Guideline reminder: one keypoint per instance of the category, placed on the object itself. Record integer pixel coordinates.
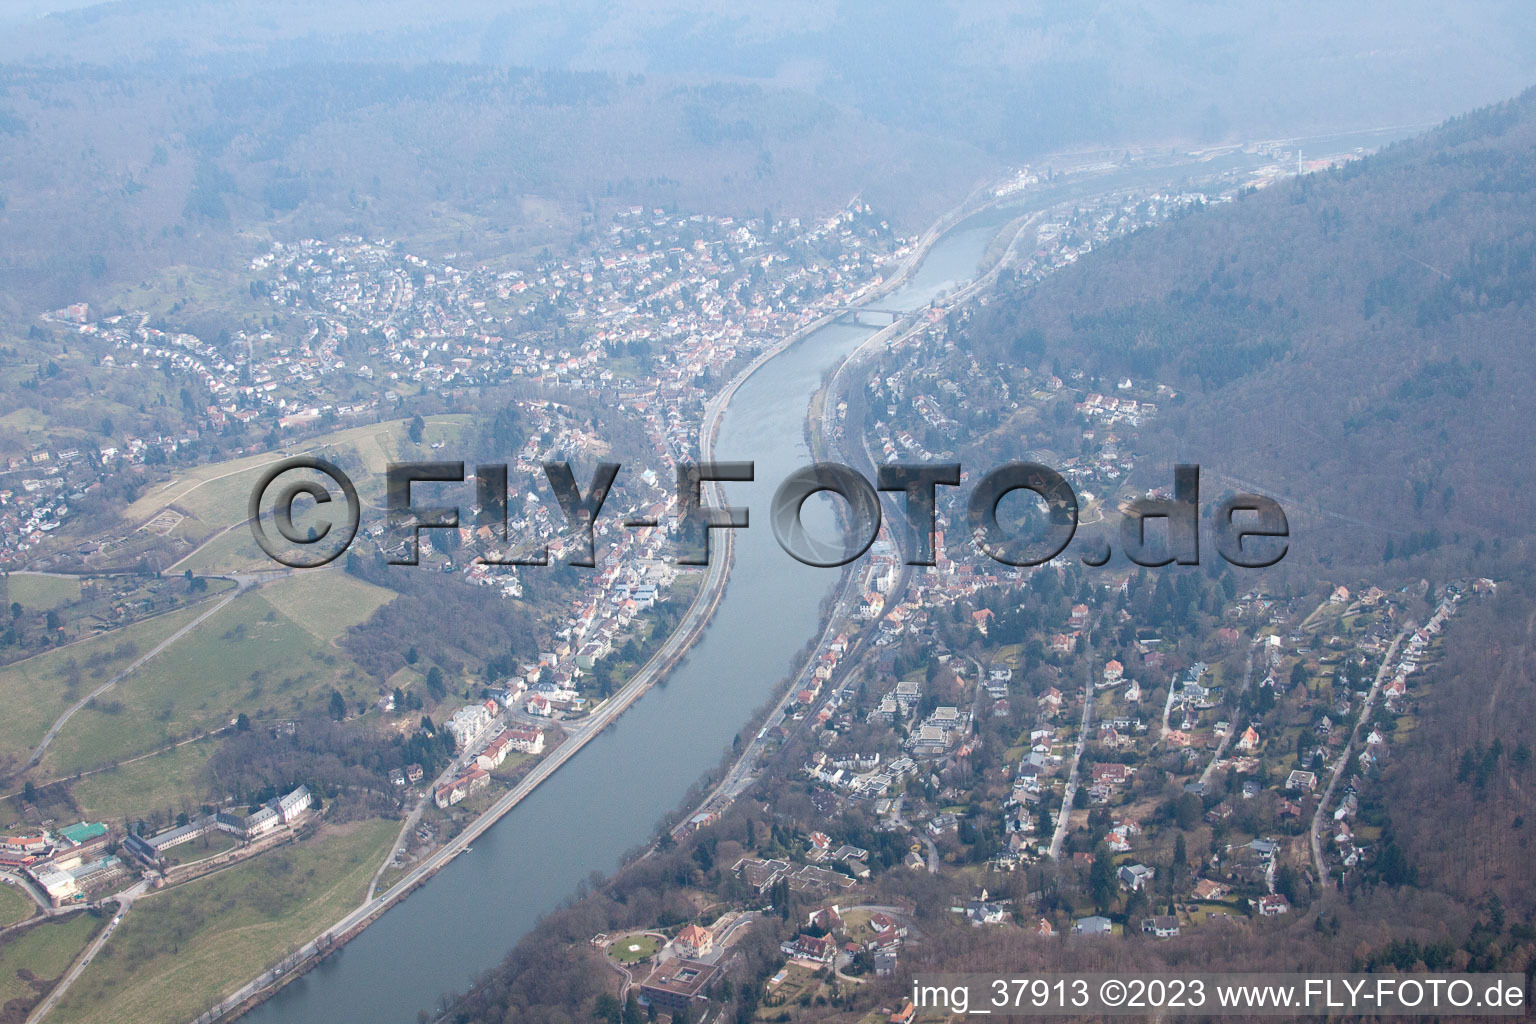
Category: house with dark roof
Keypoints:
(1135, 876)
(820, 948)
(1164, 926)
(760, 875)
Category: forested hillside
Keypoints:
(1462, 795)
(108, 174)
(1357, 343)
(1017, 79)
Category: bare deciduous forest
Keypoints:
(1356, 343)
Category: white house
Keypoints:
(468, 723)
(294, 804)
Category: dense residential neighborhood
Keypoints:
(658, 306)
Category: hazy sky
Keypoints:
(26, 10)
(1011, 77)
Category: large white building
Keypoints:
(272, 815)
(263, 821)
(468, 724)
(526, 740)
(59, 885)
(294, 804)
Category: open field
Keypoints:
(201, 848)
(234, 551)
(179, 951)
(40, 593)
(42, 952)
(25, 420)
(326, 607)
(856, 924)
(631, 949)
(248, 657)
(1205, 912)
(168, 781)
(404, 678)
(215, 496)
(513, 763)
(15, 906)
(36, 691)
(212, 496)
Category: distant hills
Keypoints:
(108, 174)
(139, 134)
(1357, 342)
(1016, 79)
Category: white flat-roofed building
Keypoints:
(60, 886)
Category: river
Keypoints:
(610, 797)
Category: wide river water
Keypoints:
(610, 797)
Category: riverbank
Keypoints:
(739, 773)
